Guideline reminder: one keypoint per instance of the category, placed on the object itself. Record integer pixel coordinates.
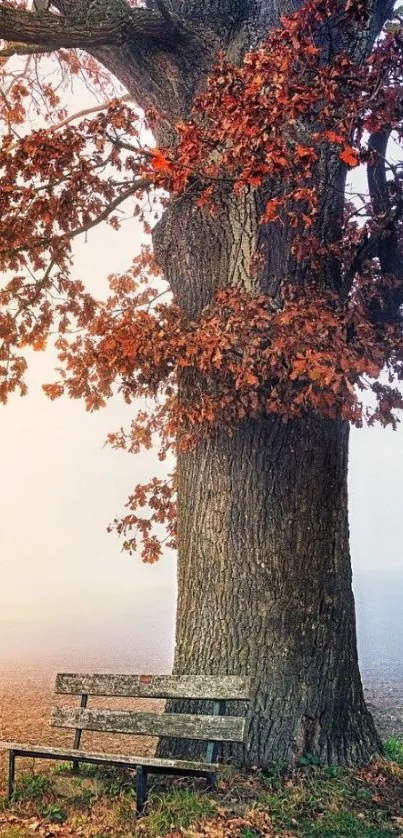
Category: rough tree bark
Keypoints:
(264, 572)
(265, 585)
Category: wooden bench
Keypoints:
(213, 729)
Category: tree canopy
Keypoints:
(265, 122)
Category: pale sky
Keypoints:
(60, 487)
(60, 572)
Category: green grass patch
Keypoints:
(110, 780)
(394, 750)
(33, 787)
(344, 825)
(338, 803)
(176, 810)
(312, 793)
(86, 769)
(54, 813)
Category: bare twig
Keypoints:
(137, 186)
(86, 111)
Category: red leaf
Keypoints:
(333, 137)
(349, 156)
(159, 162)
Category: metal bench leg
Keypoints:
(11, 774)
(212, 781)
(141, 788)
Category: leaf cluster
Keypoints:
(284, 129)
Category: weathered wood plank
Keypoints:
(118, 759)
(225, 687)
(179, 725)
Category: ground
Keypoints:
(308, 803)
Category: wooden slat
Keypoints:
(178, 725)
(225, 687)
(118, 759)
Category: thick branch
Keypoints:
(53, 31)
(383, 242)
(24, 49)
(382, 11)
(216, 14)
(387, 247)
(378, 187)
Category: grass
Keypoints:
(310, 802)
(394, 750)
(344, 825)
(177, 810)
(315, 792)
(54, 813)
(33, 787)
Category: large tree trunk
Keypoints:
(264, 582)
(264, 573)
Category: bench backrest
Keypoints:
(215, 728)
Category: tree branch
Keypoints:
(387, 246)
(383, 242)
(382, 11)
(86, 111)
(55, 32)
(23, 49)
(139, 185)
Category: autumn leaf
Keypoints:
(254, 180)
(39, 344)
(333, 137)
(53, 391)
(349, 156)
(272, 209)
(159, 162)
(302, 151)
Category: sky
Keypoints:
(61, 573)
(62, 576)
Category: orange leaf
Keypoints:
(304, 151)
(349, 156)
(159, 162)
(39, 344)
(254, 180)
(333, 137)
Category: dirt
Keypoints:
(385, 700)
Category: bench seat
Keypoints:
(153, 764)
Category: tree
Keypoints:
(286, 302)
